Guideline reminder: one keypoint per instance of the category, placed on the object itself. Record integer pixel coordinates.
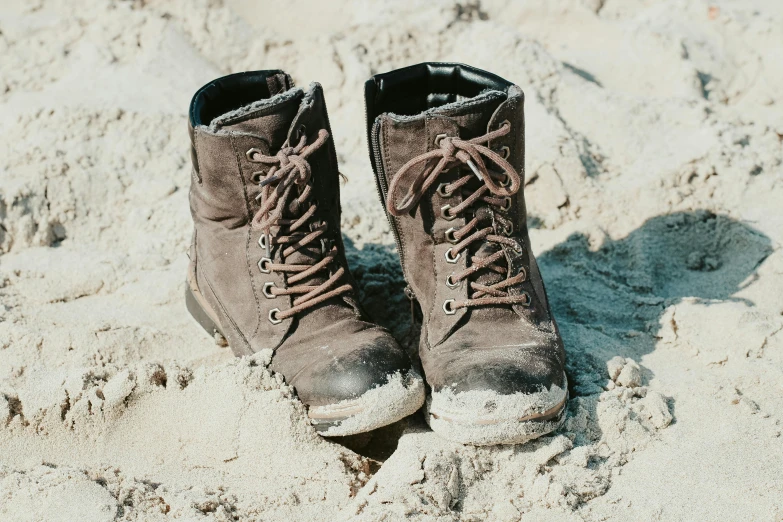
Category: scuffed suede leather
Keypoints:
(504, 348)
(329, 352)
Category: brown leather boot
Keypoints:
(268, 269)
(447, 147)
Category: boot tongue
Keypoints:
(268, 118)
(287, 123)
(472, 117)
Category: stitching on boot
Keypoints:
(247, 243)
(470, 103)
(255, 109)
(196, 171)
(434, 260)
(225, 313)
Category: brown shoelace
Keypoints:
(287, 204)
(496, 189)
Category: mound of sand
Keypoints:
(654, 182)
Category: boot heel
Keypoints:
(203, 317)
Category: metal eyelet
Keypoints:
(505, 182)
(505, 151)
(528, 300)
(450, 259)
(506, 204)
(255, 177)
(444, 212)
(452, 284)
(447, 307)
(273, 316)
(263, 265)
(250, 153)
(517, 248)
(450, 237)
(262, 242)
(301, 131)
(504, 122)
(442, 190)
(266, 290)
(523, 273)
(440, 137)
(507, 230)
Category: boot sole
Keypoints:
(401, 396)
(455, 421)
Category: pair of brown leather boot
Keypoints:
(268, 268)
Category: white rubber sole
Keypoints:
(401, 396)
(484, 418)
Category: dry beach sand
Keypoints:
(655, 187)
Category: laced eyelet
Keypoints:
(263, 265)
(450, 237)
(273, 316)
(439, 138)
(447, 307)
(527, 299)
(505, 152)
(507, 230)
(255, 177)
(452, 284)
(267, 290)
(251, 153)
(517, 248)
(523, 273)
(262, 241)
(442, 192)
(445, 214)
(503, 123)
(505, 182)
(506, 204)
(449, 259)
(301, 131)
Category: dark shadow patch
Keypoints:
(616, 295)
(377, 445)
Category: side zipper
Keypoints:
(382, 188)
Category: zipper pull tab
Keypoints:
(412, 298)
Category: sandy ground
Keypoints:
(655, 186)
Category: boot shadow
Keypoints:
(608, 300)
(378, 275)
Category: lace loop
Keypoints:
(450, 153)
(287, 204)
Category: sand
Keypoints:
(654, 183)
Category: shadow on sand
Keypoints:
(608, 299)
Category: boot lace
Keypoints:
(288, 206)
(495, 189)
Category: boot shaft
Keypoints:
(409, 112)
(259, 110)
(233, 121)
